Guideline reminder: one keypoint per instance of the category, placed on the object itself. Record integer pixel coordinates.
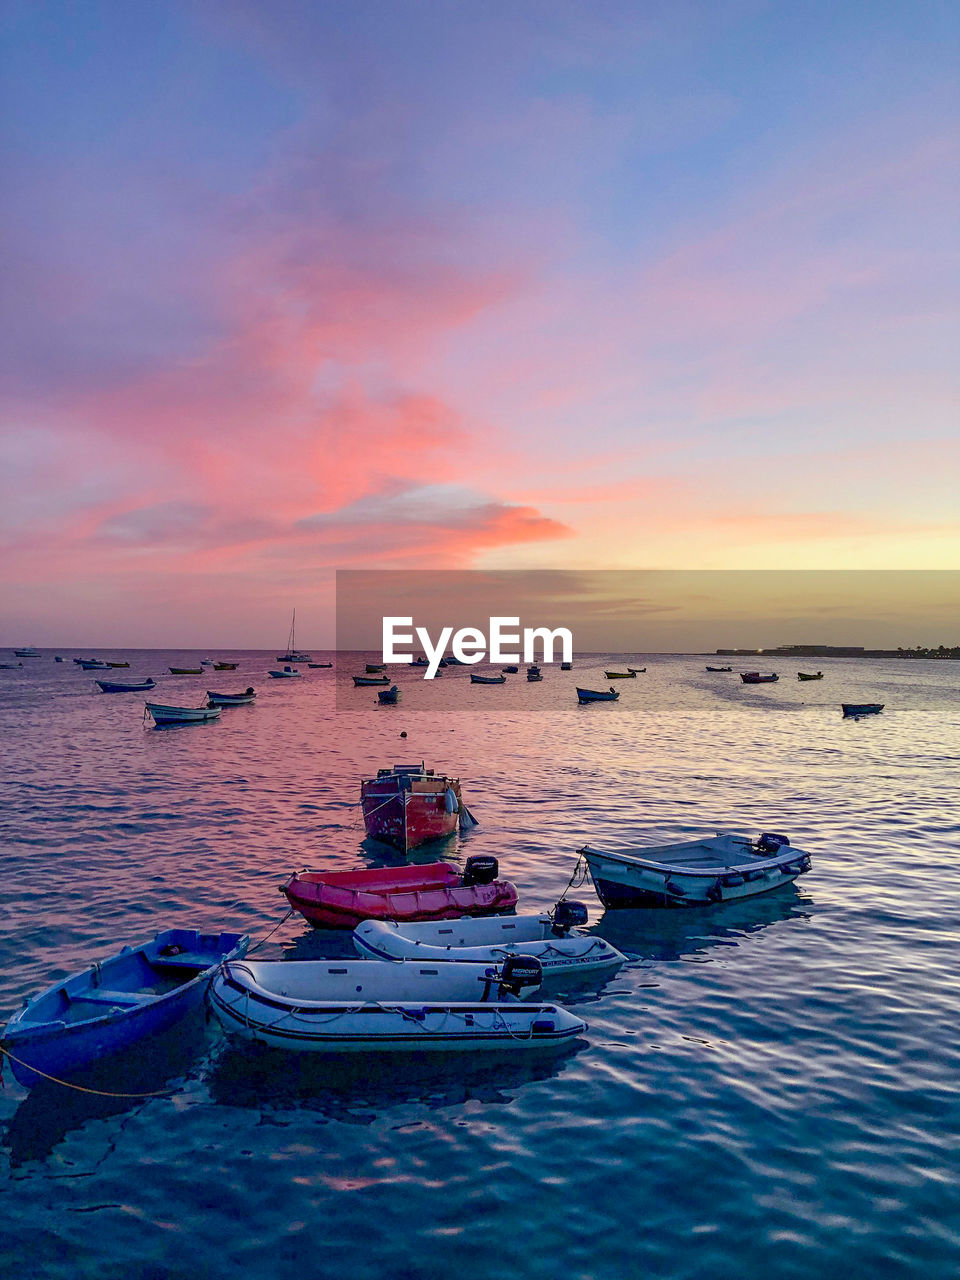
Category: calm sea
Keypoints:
(768, 1088)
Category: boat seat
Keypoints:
(100, 995)
(183, 961)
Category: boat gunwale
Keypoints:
(680, 868)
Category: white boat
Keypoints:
(181, 715)
(376, 1006)
(695, 872)
(28, 651)
(288, 673)
(560, 948)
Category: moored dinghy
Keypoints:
(557, 943)
(388, 697)
(597, 695)
(754, 677)
(372, 1006)
(437, 891)
(185, 671)
(856, 709)
(805, 675)
(365, 682)
(115, 1003)
(475, 679)
(694, 872)
(718, 669)
(231, 699)
(127, 686)
(287, 673)
(620, 675)
(181, 715)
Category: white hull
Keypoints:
(694, 873)
(486, 940)
(181, 715)
(274, 1003)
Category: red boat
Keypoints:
(754, 677)
(409, 804)
(438, 891)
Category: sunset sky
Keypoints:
(292, 287)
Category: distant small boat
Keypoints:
(231, 699)
(510, 671)
(288, 673)
(388, 696)
(181, 715)
(127, 686)
(719, 668)
(376, 668)
(862, 708)
(435, 891)
(597, 695)
(620, 675)
(292, 654)
(566, 666)
(694, 873)
(186, 671)
(58, 659)
(206, 662)
(754, 677)
(534, 673)
(367, 682)
(29, 651)
(637, 671)
(225, 666)
(420, 662)
(455, 662)
(317, 665)
(117, 665)
(10, 666)
(78, 661)
(116, 1003)
(803, 675)
(94, 664)
(475, 679)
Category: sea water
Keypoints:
(767, 1088)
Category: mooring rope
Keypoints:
(100, 1093)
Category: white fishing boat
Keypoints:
(181, 715)
(695, 872)
(375, 1006)
(287, 673)
(28, 651)
(557, 943)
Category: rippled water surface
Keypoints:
(768, 1087)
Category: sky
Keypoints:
(294, 287)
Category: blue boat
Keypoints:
(388, 696)
(597, 695)
(115, 1003)
(857, 709)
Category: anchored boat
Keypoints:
(717, 669)
(620, 675)
(292, 655)
(388, 697)
(185, 671)
(597, 695)
(181, 715)
(231, 699)
(127, 686)
(553, 938)
(225, 666)
(695, 872)
(409, 804)
(754, 677)
(862, 708)
(438, 891)
(93, 664)
(319, 1006)
(475, 679)
(805, 675)
(364, 682)
(287, 673)
(115, 1003)
(534, 673)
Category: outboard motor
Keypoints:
(770, 842)
(518, 972)
(567, 916)
(482, 868)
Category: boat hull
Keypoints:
(230, 699)
(855, 709)
(61, 1048)
(486, 941)
(341, 900)
(630, 881)
(118, 686)
(181, 715)
(253, 1007)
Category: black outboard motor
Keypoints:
(518, 972)
(482, 868)
(567, 916)
(770, 842)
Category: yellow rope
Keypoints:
(101, 1093)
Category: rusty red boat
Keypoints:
(410, 804)
(436, 891)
